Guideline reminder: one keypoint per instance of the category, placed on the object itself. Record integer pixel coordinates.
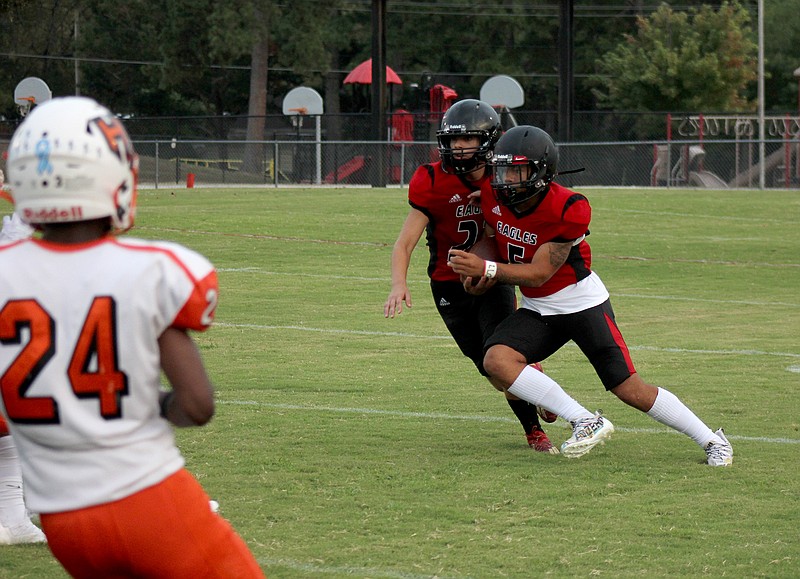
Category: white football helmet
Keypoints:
(72, 160)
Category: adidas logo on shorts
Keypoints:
(444, 302)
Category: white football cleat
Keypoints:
(21, 534)
(719, 453)
(586, 434)
(14, 229)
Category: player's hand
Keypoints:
(465, 263)
(475, 198)
(477, 285)
(394, 303)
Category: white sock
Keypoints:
(12, 504)
(670, 411)
(541, 390)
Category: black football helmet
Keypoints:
(468, 117)
(524, 163)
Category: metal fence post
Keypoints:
(275, 168)
(156, 164)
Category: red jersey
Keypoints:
(562, 216)
(454, 222)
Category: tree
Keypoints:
(42, 33)
(267, 35)
(700, 60)
(782, 49)
(123, 78)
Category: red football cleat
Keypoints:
(539, 442)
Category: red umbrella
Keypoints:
(362, 74)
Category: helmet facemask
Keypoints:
(516, 178)
(524, 164)
(468, 118)
(460, 161)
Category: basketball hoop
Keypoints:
(302, 101)
(29, 92)
(25, 104)
(297, 115)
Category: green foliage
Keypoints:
(134, 86)
(175, 57)
(700, 60)
(235, 26)
(33, 28)
(348, 445)
(783, 55)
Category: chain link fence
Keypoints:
(707, 164)
(687, 151)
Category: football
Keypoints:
(486, 249)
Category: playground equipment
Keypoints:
(688, 170)
(780, 159)
(782, 165)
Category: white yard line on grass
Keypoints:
(354, 571)
(441, 337)
(759, 220)
(470, 418)
(427, 282)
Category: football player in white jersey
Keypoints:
(88, 322)
(13, 227)
(16, 526)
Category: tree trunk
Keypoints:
(255, 156)
(333, 83)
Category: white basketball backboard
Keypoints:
(503, 91)
(31, 91)
(302, 101)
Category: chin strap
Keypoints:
(571, 171)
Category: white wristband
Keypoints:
(489, 269)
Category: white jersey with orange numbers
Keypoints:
(80, 366)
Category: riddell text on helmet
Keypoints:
(54, 214)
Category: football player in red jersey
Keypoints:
(540, 229)
(443, 198)
(89, 321)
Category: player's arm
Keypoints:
(545, 263)
(407, 240)
(191, 400)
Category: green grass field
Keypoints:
(348, 445)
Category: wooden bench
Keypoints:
(230, 164)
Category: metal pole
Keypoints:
(403, 165)
(378, 90)
(566, 99)
(156, 164)
(796, 73)
(76, 62)
(318, 137)
(275, 167)
(761, 128)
